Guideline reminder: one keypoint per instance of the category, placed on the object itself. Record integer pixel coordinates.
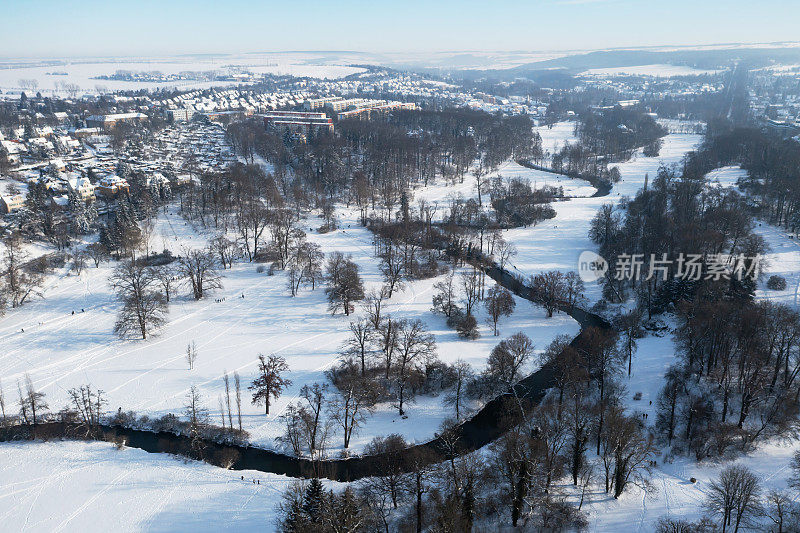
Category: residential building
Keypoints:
(108, 122)
(112, 185)
(11, 203)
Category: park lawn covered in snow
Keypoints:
(439, 194)
(61, 350)
(555, 136)
(677, 497)
(93, 486)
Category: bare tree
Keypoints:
(225, 249)
(628, 325)
(315, 429)
(191, 354)
(415, 346)
(389, 453)
(630, 448)
(238, 387)
(373, 305)
(574, 288)
(499, 302)
(88, 404)
(387, 336)
(355, 399)
(31, 403)
(393, 269)
(198, 417)
(463, 374)
(358, 344)
(169, 277)
(344, 283)
(227, 383)
(444, 299)
(200, 268)
(98, 252)
(508, 358)
(72, 90)
(470, 282)
(252, 219)
(21, 281)
(734, 497)
(143, 308)
(269, 384)
(504, 251)
(549, 289)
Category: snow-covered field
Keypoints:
(82, 72)
(555, 136)
(79, 486)
(61, 350)
(677, 497)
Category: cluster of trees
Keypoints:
(384, 359)
(517, 482)
(516, 204)
(735, 381)
(618, 132)
(457, 299)
(415, 495)
(772, 164)
(145, 289)
(371, 163)
(668, 219)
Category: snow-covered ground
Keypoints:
(83, 72)
(440, 193)
(61, 350)
(726, 176)
(677, 497)
(555, 136)
(79, 486)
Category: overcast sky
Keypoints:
(58, 28)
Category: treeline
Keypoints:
(371, 163)
(736, 379)
(618, 132)
(773, 166)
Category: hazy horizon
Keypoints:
(94, 29)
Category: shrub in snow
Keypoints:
(637, 396)
(467, 327)
(776, 283)
(261, 269)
